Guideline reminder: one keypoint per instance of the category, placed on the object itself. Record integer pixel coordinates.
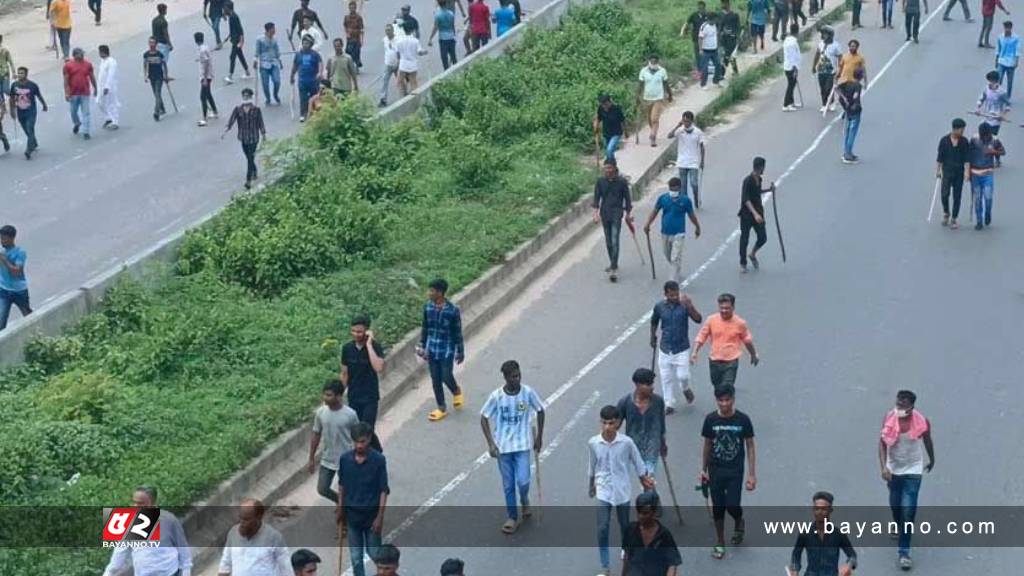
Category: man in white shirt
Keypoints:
(409, 50)
(106, 91)
(613, 459)
(689, 154)
(254, 548)
(172, 556)
(652, 93)
(307, 29)
(708, 38)
(790, 65)
(826, 64)
(390, 64)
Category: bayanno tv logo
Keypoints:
(131, 528)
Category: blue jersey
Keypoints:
(673, 213)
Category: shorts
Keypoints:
(652, 109)
(757, 30)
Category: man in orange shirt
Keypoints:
(60, 18)
(727, 332)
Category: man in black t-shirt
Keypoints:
(729, 31)
(728, 438)
(362, 361)
(154, 67)
(304, 12)
(609, 119)
(236, 34)
(650, 549)
(752, 214)
(693, 24)
(952, 167)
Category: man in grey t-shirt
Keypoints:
(333, 424)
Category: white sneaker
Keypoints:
(212, 116)
(246, 76)
(201, 123)
(832, 108)
(789, 108)
(229, 80)
(822, 109)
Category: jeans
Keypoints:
(165, 50)
(96, 7)
(855, 20)
(64, 35)
(708, 57)
(215, 24)
(690, 178)
(480, 40)
(361, 541)
(27, 120)
(723, 372)
(306, 91)
(788, 100)
(355, 49)
(80, 112)
(447, 48)
(8, 299)
(780, 22)
(954, 183)
(1006, 74)
(798, 13)
(825, 84)
(249, 149)
(236, 54)
(984, 39)
(912, 23)
(982, 188)
(673, 249)
(271, 77)
(385, 83)
(612, 230)
(887, 6)
(515, 473)
(903, 491)
(604, 518)
(611, 145)
(963, 4)
(852, 125)
(157, 84)
(323, 484)
(206, 97)
(762, 237)
(441, 375)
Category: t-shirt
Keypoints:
(444, 19)
(988, 7)
(993, 101)
(851, 62)
(335, 430)
(60, 14)
(828, 63)
(688, 147)
(708, 35)
(154, 62)
(728, 446)
(78, 74)
(653, 559)
(979, 159)
(752, 194)
(362, 485)
(673, 213)
(728, 337)
(205, 63)
(953, 157)
(343, 70)
(308, 64)
(480, 18)
(912, 6)
(759, 11)
(729, 25)
(301, 14)
(16, 256)
(408, 49)
(611, 120)
(510, 418)
(363, 381)
(235, 30)
(694, 22)
(646, 429)
(505, 17)
(654, 83)
(160, 31)
(790, 53)
(25, 94)
(849, 98)
(390, 52)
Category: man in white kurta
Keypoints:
(107, 93)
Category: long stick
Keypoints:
(632, 232)
(778, 228)
(597, 148)
(167, 84)
(672, 490)
(341, 549)
(540, 490)
(700, 186)
(639, 124)
(291, 102)
(650, 252)
(801, 93)
(935, 194)
(828, 101)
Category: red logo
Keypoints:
(132, 525)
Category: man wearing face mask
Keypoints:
(675, 207)
(689, 154)
(906, 436)
(652, 93)
(254, 547)
(250, 129)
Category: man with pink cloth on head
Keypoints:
(906, 436)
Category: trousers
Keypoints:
(746, 224)
(612, 231)
(675, 373)
(110, 106)
(952, 183)
(80, 112)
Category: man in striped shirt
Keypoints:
(250, 129)
(441, 345)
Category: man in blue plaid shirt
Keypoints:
(441, 346)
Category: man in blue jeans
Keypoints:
(444, 29)
(442, 346)
(13, 284)
(508, 408)
(309, 67)
(1007, 57)
(610, 121)
(849, 99)
(906, 436)
(985, 149)
(611, 202)
(362, 497)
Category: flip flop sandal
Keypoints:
(718, 552)
(737, 537)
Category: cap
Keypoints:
(303, 557)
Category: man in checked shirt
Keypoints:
(441, 345)
(250, 129)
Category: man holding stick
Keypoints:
(508, 408)
(952, 169)
(611, 202)
(643, 412)
(675, 207)
(751, 214)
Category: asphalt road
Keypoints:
(81, 207)
(873, 299)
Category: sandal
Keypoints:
(437, 415)
(737, 538)
(718, 552)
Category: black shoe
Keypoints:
(108, 123)
(74, 130)
(946, 18)
(156, 117)
(86, 136)
(915, 40)
(7, 145)
(978, 226)
(988, 221)
(28, 154)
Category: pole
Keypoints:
(291, 102)
(167, 83)
(639, 124)
(540, 491)
(341, 549)
(654, 356)
(800, 93)
(597, 148)
(778, 228)
(672, 490)
(650, 252)
(632, 232)
(700, 186)
(935, 195)
(828, 101)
